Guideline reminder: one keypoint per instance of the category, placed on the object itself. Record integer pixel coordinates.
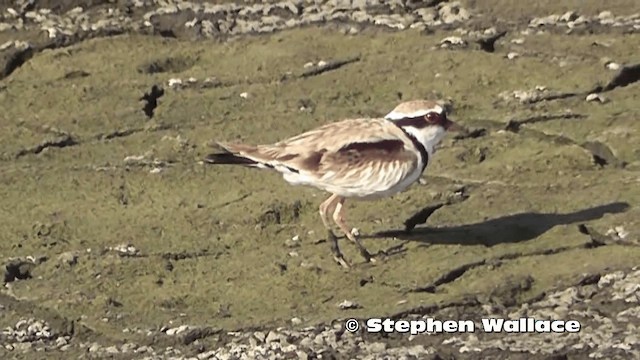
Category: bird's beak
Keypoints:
(452, 126)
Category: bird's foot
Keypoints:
(335, 250)
(341, 261)
(365, 254)
(354, 237)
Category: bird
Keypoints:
(364, 158)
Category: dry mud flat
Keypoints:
(118, 243)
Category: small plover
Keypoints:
(360, 158)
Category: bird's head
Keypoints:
(426, 120)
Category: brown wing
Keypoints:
(367, 166)
(345, 154)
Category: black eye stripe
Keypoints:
(416, 122)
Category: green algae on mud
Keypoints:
(206, 258)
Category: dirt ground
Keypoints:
(113, 230)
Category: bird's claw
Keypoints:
(341, 261)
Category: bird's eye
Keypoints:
(433, 117)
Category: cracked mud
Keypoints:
(118, 243)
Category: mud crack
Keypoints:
(488, 43)
(151, 100)
(64, 141)
(515, 124)
(329, 66)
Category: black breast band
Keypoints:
(423, 152)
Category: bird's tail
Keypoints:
(229, 156)
(228, 159)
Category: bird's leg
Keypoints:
(338, 217)
(325, 208)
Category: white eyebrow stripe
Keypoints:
(397, 115)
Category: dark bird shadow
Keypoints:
(506, 229)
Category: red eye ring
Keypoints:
(433, 117)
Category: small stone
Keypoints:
(452, 41)
(322, 63)
(604, 15)
(596, 97)
(68, 258)
(13, 12)
(622, 233)
(6, 45)
(309, 65)
(518, 41)
(111, 350)
(612, 66)
(211, 82)
(512, 55)
(543, 21)
(569, 16)
(296, 321)
(260, 336)
(175, 83)
(306, 342)
(272, 337)
(61, 341)
(293, 242)
(347, 304)
(94, 348)
(211, 354)
(144, 349)
(26, 346)
(244, 95)
(177, 330)
(129, 347)
(376, 347)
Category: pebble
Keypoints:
(6, 45)
(61, 341)
(177, 330)
(111, 350)
(126, 249)
(68, 258)
(175, 83)
(596, 98)
(613, 66)
(452, 41)
(619, 232)
(347, 304)
(293, 242)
